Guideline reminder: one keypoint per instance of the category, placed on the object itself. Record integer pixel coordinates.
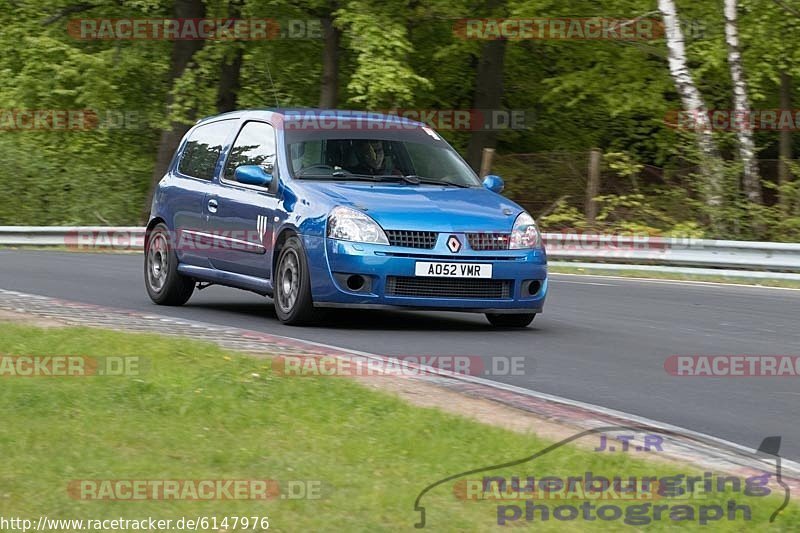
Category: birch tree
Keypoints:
(741, 106)
(692, 101)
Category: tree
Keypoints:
(230, 71)
(741, 106)
(693, 102)
(488, 96)
(378, 38)
(785, 140)
(329, 84)
(183, 51)
(774, 64)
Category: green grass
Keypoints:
(633, 273)
(202, 413)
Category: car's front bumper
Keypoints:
(331, 262)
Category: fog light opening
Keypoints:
(534, 287)
(355, 282)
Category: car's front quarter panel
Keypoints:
(330, 261)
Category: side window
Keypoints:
(255, 145)
(203, 148)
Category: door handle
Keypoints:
(213, 205)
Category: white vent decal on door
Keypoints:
(261, 224)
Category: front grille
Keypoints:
(474, 257)
(488, 241)
(412, 239)
(484, 289)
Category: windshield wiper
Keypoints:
(413, 179)
(339, 174)
(351, 176)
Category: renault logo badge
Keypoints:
(453, 244)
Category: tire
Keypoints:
(292, 293)
(510, 321)
(164, 284)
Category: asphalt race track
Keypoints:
(600, 340)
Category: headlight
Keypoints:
(347, 224)
(525, 233)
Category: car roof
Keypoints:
(305, 113)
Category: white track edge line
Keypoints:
(673, 281)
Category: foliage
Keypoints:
(624, 214)
(613, 95)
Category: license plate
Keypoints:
(453, 270)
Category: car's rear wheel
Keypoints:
(293, 303)
(164, 284)
(510, 321)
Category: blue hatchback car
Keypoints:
(321, 209)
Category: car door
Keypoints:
(192, 178)
(242, 216)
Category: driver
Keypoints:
(371, 158)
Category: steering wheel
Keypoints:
(320, 166)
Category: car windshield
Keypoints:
(415, 157)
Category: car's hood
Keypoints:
(424, 207)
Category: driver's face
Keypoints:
(372, 154)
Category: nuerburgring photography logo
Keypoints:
(538, 494)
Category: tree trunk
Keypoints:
(229, 83)
(182, 53)
(329, 88)
(228, 89)
(693, 103)
(741, 107)
(593, 185)
(488, 96)
(785, 141)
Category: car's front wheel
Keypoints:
(164, 284)
(510, 321)
(293, 303)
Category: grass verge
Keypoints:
(633, 273)
(197, 412)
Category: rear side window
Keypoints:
(255, 145)
(203, 148)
